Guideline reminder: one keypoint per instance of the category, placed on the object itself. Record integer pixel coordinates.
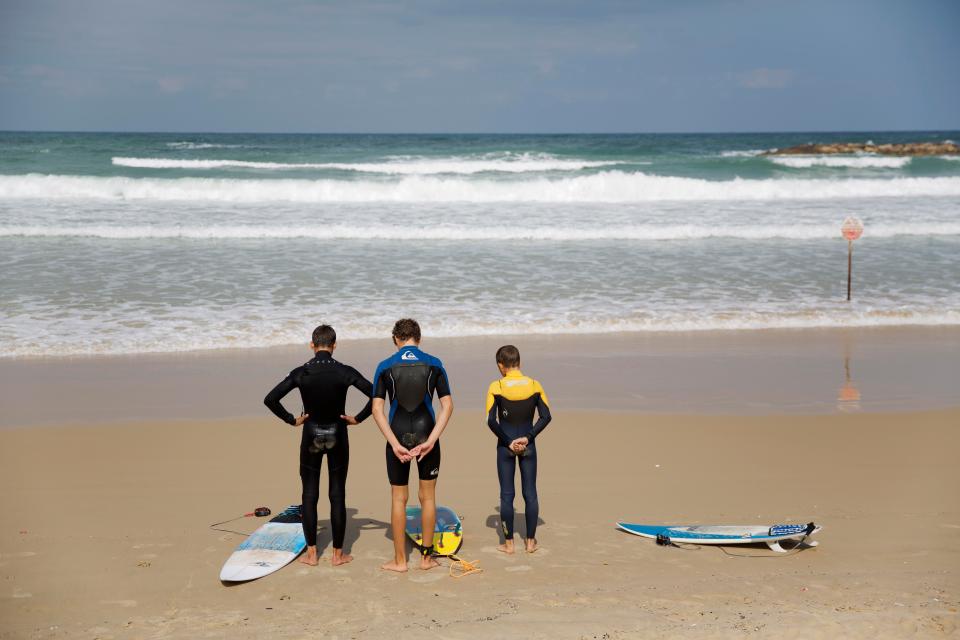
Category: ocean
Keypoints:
(127, 243)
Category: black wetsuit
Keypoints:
(411, 377)
(511, 404)
(323, 384)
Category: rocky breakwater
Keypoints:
(900, 149)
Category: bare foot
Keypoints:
(310, 557)
(339, 558)
(506, 547)
(532, 545)
(399, 567)
(428, 562)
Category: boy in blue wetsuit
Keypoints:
(511, 403)
(410, 377)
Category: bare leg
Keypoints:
(398, 521)
(339, 558)
(428, 512)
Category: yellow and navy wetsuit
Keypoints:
(511, 404)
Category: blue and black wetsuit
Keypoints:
(411, 377)
(511, 404)
(323, 384)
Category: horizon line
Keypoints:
(478, 133)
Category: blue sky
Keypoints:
(482, 66)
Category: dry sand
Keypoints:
(105, 532)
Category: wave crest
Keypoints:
(855, 162)
(463, 233)
(519, 164)
(610, 186)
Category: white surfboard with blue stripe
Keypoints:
(772, 536)
(269, 548)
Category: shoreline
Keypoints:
(750, 373)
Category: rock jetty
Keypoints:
(901, 149)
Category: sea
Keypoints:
(125, 243)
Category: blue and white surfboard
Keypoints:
(725, 534)
(271, 547)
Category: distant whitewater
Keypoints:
(128, 243)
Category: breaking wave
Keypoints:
(520, 164)
(467, 233)
(608, 186)
(853, 162)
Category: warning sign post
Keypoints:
(852, 229)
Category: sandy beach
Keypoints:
(106, 523)
(724, 236)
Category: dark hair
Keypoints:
(405, 329)
(509, 356)
(324, 336)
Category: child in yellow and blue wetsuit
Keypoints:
(512, 402)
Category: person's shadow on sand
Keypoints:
(519, 524)
(352, 534)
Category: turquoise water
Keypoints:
(120, 243)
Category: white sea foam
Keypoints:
(192, 329)
(853, 162)
(518, 164)
(610, 186)
(202, 145)
(742, 153)
(476, 233)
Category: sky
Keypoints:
(479, 66)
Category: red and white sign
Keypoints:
(852, 228)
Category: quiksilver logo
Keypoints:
(408, 355)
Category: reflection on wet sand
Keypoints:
(849, 397)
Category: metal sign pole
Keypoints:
(852, 229)
(849, 267)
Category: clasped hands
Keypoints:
(519, 445)
(419, 452)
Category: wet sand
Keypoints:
(105, 531)
(731, 372)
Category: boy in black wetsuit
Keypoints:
(411, 377)
(323, 384)
(511, 403)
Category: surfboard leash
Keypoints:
(460, 567)
(259, 512)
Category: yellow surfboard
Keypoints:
(448, 532)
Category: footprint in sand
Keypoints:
(376, 609)
(520, 567)
(427, 576)
(20, 593)
(18, 554)
(145, 545)
(120, 603)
